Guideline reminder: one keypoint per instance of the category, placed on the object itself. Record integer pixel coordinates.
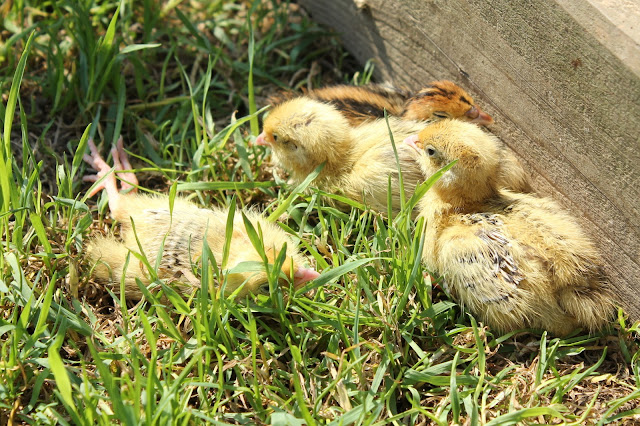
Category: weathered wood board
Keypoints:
(560, 78)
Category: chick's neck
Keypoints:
(339, 160)
(471, 198)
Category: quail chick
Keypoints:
(304, 133)
(363, 103)
(444, 99)
(181, 233)
(357, 103)
(439, 99)
(516, 260)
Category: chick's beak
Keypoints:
(262, 139)
(478, 116)
(414, 142)
(303, 275)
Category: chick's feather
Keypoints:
(174, 237)
(516, 260)
(358, 161)
(149, 227)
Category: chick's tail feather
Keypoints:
(592, 308)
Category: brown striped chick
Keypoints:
(363, 103)
(515, 260)
(444, 99)
(304, 133)
(357, 103)
(438, 100)
(182, 235)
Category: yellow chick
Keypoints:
(304, 133)
(182, 234)
(515, 260)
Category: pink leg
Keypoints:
(109, 183)
(128, 180)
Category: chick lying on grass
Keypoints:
(304, 133)
(516, 260)
(180, 235)
(437, 100)
(444, 99)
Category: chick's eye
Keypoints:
(275, 138)
(431, 151)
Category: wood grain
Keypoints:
(560, 79)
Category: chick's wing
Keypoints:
(478, 262)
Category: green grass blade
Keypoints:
(300, 397)
(138, 47)
(13, 96)
(294, 194)
(422, 188)
(453, 389)
(250, 89)
(335, 272)
(36, 222)
(228, 233)
(520, 415)
(222, 186)
(62, 376)
(9, 192)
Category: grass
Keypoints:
(372, 341)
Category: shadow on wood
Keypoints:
(561, 80)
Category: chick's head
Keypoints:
(478, 155)
(303, 133)
(445, 99)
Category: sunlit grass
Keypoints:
(372, 341)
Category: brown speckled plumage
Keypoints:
(516, 260)
(437, 100)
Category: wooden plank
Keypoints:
(561, 80)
